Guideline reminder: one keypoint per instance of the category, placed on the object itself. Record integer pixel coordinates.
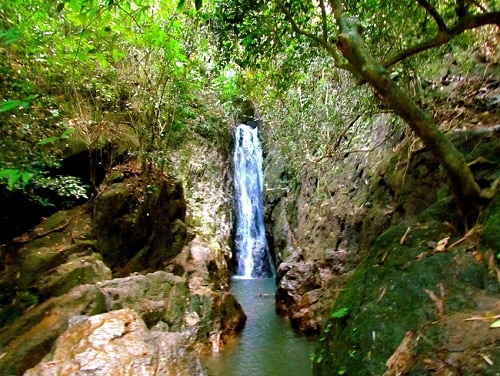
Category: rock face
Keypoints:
(334, 210)
(63, 270)
(118, 343)
(328, 217)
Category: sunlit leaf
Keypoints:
(67, 133)
(340, 313)
(14, 178)
(117, 55)
(496, 324)
(9, 105)
(102, 60)
(47, 140)
(25, 177)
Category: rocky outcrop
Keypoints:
(63, 269)
(118, 343)
(160, 299)
(151, 212)
(327, 216)
(336, 209)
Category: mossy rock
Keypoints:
(389, 295)
(491, 233)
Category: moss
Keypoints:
(491, 235)
(387, 297)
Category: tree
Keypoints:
(330, 25)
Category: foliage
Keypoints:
(99, 67)
(369, 39)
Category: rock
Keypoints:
(118, 343)
(151, 213)
(54, 276)
(158, 296)
(78, 270)
(160, 300)
(395, 290)
(27, 341)
(296, 281)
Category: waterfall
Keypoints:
(251, 250)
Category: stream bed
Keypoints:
(267, 346)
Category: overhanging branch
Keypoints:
(443, 37)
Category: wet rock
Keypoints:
(118, 343)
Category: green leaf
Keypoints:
(67, 133)
(47, 140)
(60, 7)
(25, 177)
(15, 103)
(496, 324)
(10, 36)
(102, 60)
(180, 5)
(6, 172)
(13, 178)
(340, 313)
(117, 55)
(198, 4)
(10, 104)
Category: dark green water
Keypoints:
(267, 346)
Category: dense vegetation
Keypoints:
(170, 69)
(86, 76)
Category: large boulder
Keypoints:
(139, 222)
(118, 343)
(30, 337)
(203, 317)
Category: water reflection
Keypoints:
(267, 345)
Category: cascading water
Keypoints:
(251, 249)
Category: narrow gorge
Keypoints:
(240, 188)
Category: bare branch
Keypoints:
(443, 37)
(434, 14)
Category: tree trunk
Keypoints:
(465, 188)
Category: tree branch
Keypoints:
(434, 14)
(443, 37)
(323, 20)
(321, 41)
